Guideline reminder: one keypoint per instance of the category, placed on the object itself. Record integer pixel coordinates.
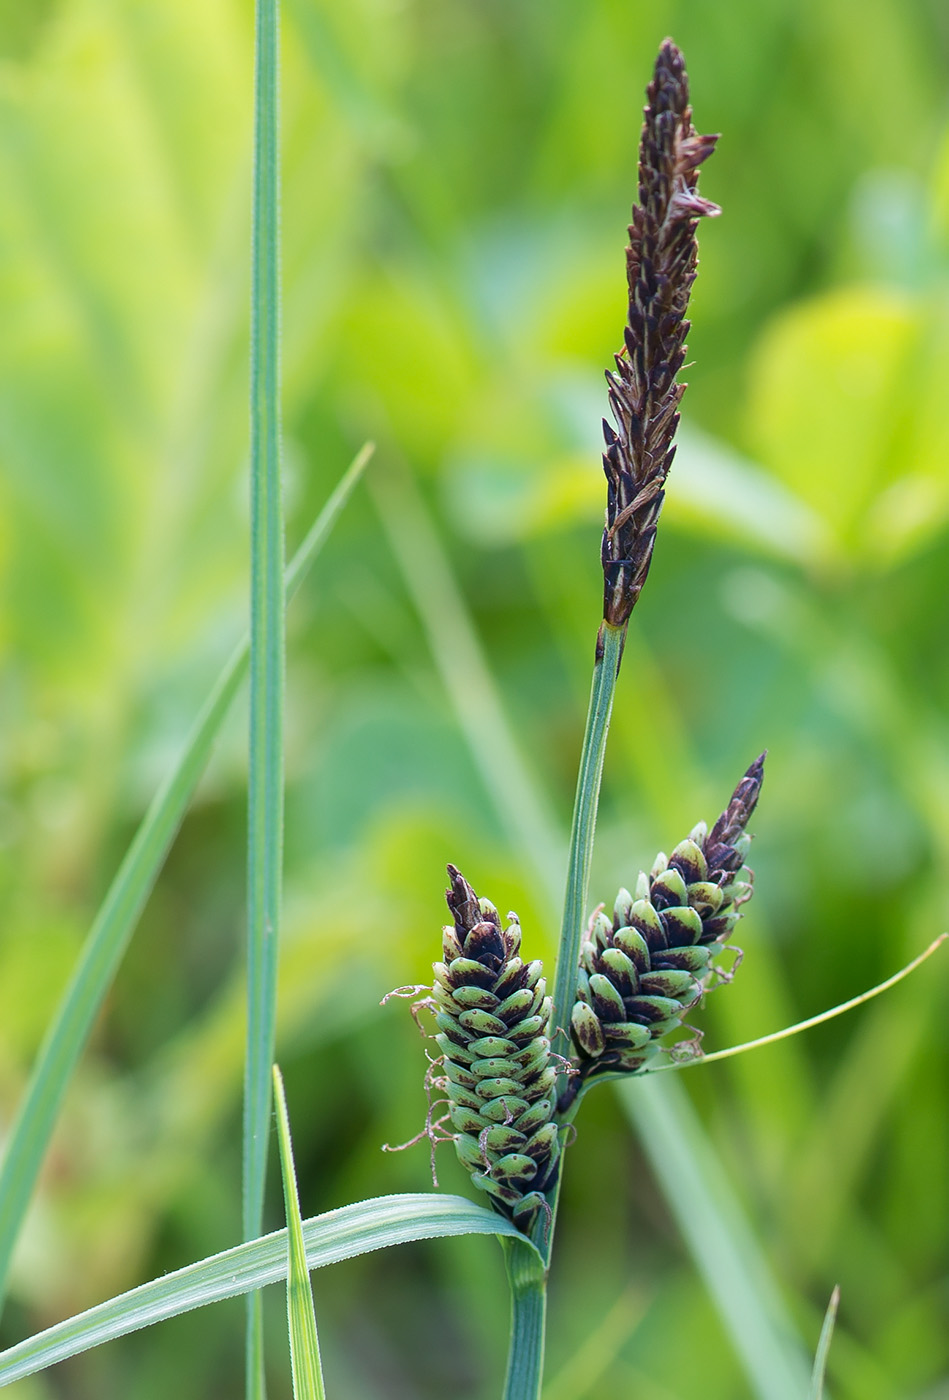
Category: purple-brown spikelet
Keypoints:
(644, 394)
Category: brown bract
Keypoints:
(644, 395)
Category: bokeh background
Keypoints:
(457, 184)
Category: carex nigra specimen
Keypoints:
(643, 968)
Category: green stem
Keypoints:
(528, 1280)
(609, 652)
(265, 781)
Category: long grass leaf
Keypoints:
(119, 913)
(719, 1238)
(301, 1315)
(816, 1391)
(265, 768)
(521, 806)
(356, 1229)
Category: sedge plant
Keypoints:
(514, 1063)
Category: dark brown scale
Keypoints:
(485, 942)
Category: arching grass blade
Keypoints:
(721, 1241)
(357, 1229)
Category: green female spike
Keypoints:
(640, 976)
(493, 1017)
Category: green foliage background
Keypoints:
(457, 183)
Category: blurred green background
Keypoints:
(457, 185)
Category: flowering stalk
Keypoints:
(644, 396)
(491, 1061)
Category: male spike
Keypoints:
(644, 393)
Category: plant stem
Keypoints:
(528, 1280)
(265, 782)
(609, 651)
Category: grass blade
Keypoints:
(816, 1391)
(265, 775)
(119, 913)
(313, 540)
(356, 1229)
(719, 1238)
(301, 1316)
(523, 810)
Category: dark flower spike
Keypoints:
(492, 1013)
(641, 970)
(644, 396)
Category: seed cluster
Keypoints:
(642, 969)
(493, 1015)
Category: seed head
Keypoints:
(641, 970)
(493, 1014)
(643, 391)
